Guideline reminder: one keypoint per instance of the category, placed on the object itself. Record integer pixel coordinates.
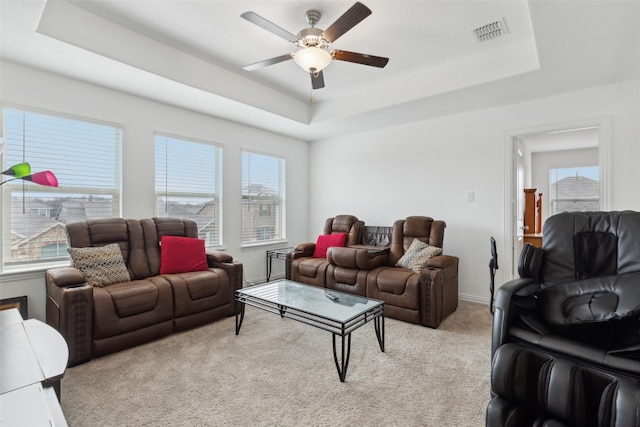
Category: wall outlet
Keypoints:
(470, 196)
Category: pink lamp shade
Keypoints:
(18, 170)
(46, 178)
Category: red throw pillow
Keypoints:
(325, 241)
(182, 254)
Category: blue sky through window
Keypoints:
(592, 172)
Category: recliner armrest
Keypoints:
(65, 276)
(506, 296)
(69, 309)
(214, 257)
(234, 269)
(442, 261)
(303, 250)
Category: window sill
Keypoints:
(265, 243)
(20, 271)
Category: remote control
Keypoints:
(331, 296)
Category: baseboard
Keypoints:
(474, 298)
(263, 279)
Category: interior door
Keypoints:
(537, 152)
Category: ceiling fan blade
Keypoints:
(347, 21)
(317, 80)
(267, 62)
(269, 26)
(360, 58)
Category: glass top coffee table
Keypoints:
(337, 312)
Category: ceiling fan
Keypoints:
(314, 44)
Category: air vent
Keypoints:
(490, 31)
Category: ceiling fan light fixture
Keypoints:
(312, 59)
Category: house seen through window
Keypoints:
(575, 189)
(85, 157)
(189, 184)
(263, 198)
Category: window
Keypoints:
(263, 198)
(574, 189)
(189, 184)
(84, 156)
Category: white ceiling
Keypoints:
(191, 54)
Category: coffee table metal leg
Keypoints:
(378, 324)
(343, 364)
(239, 315)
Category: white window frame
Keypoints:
(553, 201)
(266, 171)
(84, 154)
(193, 171)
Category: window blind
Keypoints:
(189, 184)
(263, 198)
(84, 156)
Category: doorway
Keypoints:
(551, 159)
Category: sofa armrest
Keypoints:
(357, 258)
(438, 289)
(303, 250)
(234, 270)
(69, 310)
(215, 257)
(65, 276)
(443, 261)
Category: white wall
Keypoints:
(426, 168)
(141, 118)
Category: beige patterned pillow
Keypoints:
(416, 246)
(420, 260)
(101, 265)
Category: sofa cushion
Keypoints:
(182, 254)
(377, 236)
(136, 297)
(199, 291)
(325, 241)
(101, 265)
(309, 267)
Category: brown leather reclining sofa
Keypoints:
(101, 320)
(366, 266)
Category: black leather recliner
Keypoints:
(566, 334)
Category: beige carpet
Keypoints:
(279, 372)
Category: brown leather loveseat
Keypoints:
(312, 270)
(97, 320)
(425, 295)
